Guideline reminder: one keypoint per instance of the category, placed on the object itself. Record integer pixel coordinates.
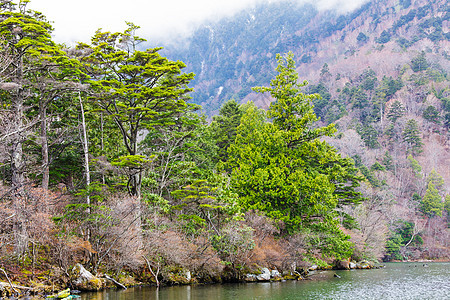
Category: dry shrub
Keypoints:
(269, 253)
(436, 239)
(117, 237)
(263, 226)
(168, 250)
(25, 221)
(295, 247)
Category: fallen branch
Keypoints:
(10, 284)
(115, 282)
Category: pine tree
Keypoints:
(396, 111)
(431, 114)
(282, 168)
(419, 63)
(431, 204)
(225, 125)
(137, 89)
(411, 135)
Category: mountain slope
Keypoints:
(233, 55)
(382, 72)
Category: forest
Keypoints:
(106, 161)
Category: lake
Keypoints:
(396, 281)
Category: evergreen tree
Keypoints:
(27, 40)
(431, 204)
(435, 178)
(431, 114)
(411, 135)
(419, 63)
(224, 126)
(396, 111)
(388, 161)
(137, 89)
(284, 170)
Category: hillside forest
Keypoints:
(107, 160)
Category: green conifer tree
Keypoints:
(431, 204)
(411, 135)
(282, 168)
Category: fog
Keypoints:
(165, 20)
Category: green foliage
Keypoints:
(369, 79)
(204, 206)
(411, 136)
(224, 127)
(415, 166)
(283, 170)
(370, 176)
(435, 178)
(86, 216)
(431, 204)
(389, 87)
(447, 208)
(369, 135)
(384, 37)
(388, 161)
(377, 167)
(396, 111)
(137, 89)
(400, 237)
(431, 114)
(362, 38)
(419, 63)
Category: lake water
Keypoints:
(397, 281)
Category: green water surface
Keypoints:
(396, 281)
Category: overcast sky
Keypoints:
(77, 20)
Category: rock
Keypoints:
(313, 268)
(352, 265)
(275, 274)
(188, 275)
(364, 264)
(343, 265)
(264, 276)
(250, 278)
(83, 280)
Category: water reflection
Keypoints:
(396, 281)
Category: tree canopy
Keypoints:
(281, 167)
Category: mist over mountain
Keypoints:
(234, 54)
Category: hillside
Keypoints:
(233, 55)
(381, 70)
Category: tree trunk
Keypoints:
(17, 164)
(44, 146)
(86, 153)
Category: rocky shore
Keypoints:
(83, 280)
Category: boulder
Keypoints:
(250, 278)
(188, 275)
(274, 274)
(313, 268)
(264, 276)
(352, 265)
(343, 265)
(364, 264)
(83, 280)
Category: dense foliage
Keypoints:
(107, 161)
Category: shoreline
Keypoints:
(40, 291)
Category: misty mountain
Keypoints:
(232, 55)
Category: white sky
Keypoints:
(77, 20)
